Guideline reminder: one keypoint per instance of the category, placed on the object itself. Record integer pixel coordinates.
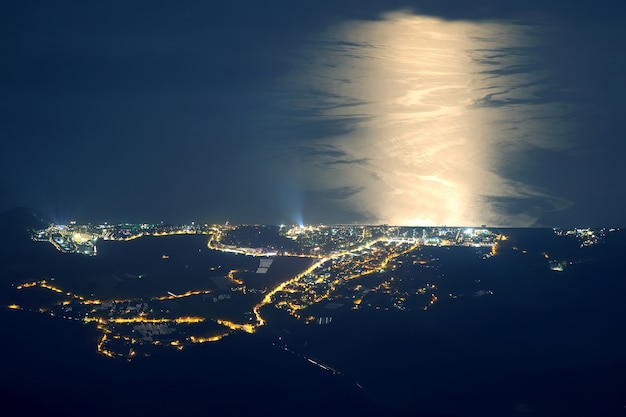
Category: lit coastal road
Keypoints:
(292, 285)
(268, 297)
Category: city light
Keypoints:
(336, 256)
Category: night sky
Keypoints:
(424, 112)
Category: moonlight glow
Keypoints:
(435, 110)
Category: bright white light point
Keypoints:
(437, 109)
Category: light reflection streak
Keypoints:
(436, 110)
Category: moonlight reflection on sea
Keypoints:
(432, 111)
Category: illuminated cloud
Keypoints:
(434, 113)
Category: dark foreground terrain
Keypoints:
(507, 336)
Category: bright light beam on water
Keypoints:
(433, 112)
